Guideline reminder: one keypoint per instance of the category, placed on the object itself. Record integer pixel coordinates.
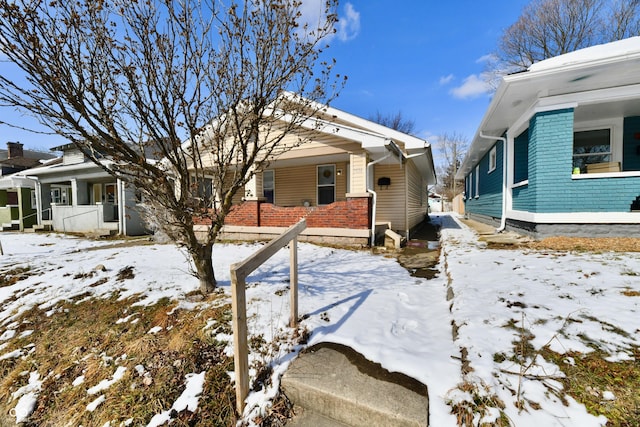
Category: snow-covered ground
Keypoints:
(372, 304)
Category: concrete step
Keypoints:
(338, 383)
(42, 227)
(306, 418)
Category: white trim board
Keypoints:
(576, 217)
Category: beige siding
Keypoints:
(358, 174)
(294, 185)
(416, 196)
(391, 201)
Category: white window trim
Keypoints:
(477, 181)
(493, 159)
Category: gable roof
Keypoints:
(373, 137)
(612, 66)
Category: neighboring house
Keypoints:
(15, 158)
(436, 202)
(17, 203)
(352, 179)
(558, 150)
(17, 194)
(78, 196)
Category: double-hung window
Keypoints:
(493, 159)
(268, 186)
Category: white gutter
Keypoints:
(503, 218)
(374, 194)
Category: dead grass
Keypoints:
(588, 376)
(83, 339)
(482, 403)
(591, 244)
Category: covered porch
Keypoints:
(88, 202)
(17, 203)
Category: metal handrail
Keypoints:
(34, 214)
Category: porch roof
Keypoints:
(16, 181)
(576, 76)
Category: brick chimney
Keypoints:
(14, 149)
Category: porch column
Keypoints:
(38, 202)
(20, 211)
(74, 192)
(253, 189)
(120, 198)
(358, 175)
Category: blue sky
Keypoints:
(421, 57)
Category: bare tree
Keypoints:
(394, 121)
(547, 28)
(624, 20)
(452, 147)
(201, 84)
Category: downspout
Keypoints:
(503, 218)
(374, 195)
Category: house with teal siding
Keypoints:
(558, 150)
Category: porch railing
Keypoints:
(239, 273)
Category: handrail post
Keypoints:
(240, 347)
(293, 281)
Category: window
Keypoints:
(477, 180)
(268, 186)
(34, 204)
(591, 146)
(111, 195)
(492, 159)
(12, 198)
(326, 184)
(59, 195)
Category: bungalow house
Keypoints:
(78, 196)
(17, 194)
(558, 150)
(352, 180)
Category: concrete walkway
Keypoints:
(332, 385)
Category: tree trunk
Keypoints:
(202, 259)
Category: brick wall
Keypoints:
(351, 213)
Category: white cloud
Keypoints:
(472, 87)
(445, 80)
(486, 58)
(348, 26)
